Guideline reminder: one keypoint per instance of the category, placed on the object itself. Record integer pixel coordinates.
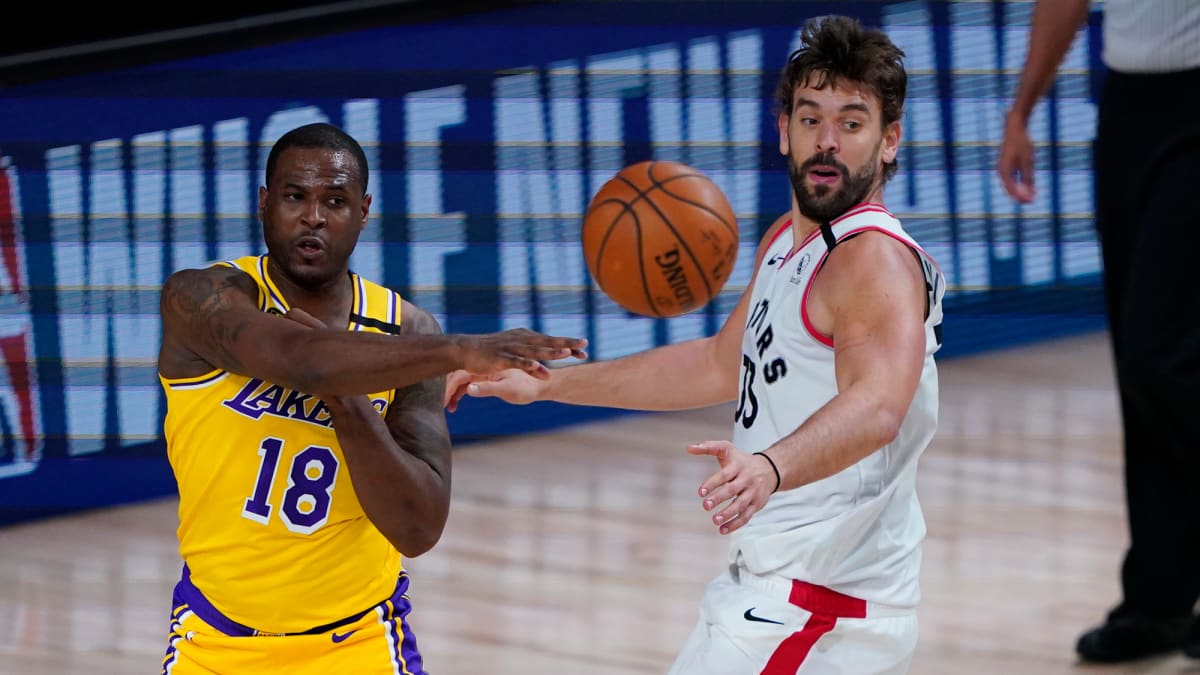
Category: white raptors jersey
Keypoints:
(859, 531)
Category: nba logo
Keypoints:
(20, 413)
(797, 277)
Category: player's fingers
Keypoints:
(716, 489)
(554, 343)
(1015, 167)
(486, 389)
(539, 352)
(1023, 189)
(456, 384)
(1019, 185)
(725, 516)
(577, 346)
(735, 520)
(533, 367)
(718, 449)
(714, 483)
(722, 451)
(454, 396)
(456, 378)
(1007, 177)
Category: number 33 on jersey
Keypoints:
(787, 365)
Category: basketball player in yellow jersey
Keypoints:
(306, 432)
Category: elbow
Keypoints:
(886, 424)
(419, 538)
(417, 543)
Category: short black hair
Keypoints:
(319, 135)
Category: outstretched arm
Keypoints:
(1055, 23)
(211, 320)
(692, 374)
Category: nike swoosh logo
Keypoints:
(750, 617)
(339, 638)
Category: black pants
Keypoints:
(1147, 164)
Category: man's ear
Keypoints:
(366, 210)
(262, 203)
(785, 145)
(890, 146)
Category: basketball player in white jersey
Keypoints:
(829, 356)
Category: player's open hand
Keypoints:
(513, 386)
(518, 348)
(739, 489)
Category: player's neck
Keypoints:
(803, 226)
(326, 300)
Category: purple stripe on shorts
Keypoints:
(187, 593)
(169, 657)
(406, 642)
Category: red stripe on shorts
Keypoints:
(827, 606)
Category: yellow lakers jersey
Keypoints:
(269, 524)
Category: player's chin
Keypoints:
(309, 272)
(825, 192)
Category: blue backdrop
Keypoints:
(487, 135)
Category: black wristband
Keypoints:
(770, 461)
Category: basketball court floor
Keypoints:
(584, 551)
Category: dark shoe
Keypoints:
(1130, 637)
(1191, 644)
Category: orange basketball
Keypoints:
(660, 238)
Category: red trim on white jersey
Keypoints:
(863, 208)
(827, 340)
(792, 250)
(808, 238)
(785, 228)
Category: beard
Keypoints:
(823, 203)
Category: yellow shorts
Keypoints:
(380, 641)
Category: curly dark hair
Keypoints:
(319, 135)
(836, 48)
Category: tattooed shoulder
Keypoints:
(196, 295)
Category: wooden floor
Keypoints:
(584, 552)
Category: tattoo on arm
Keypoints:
(199, 302)
(416, 418)
(417, 422)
